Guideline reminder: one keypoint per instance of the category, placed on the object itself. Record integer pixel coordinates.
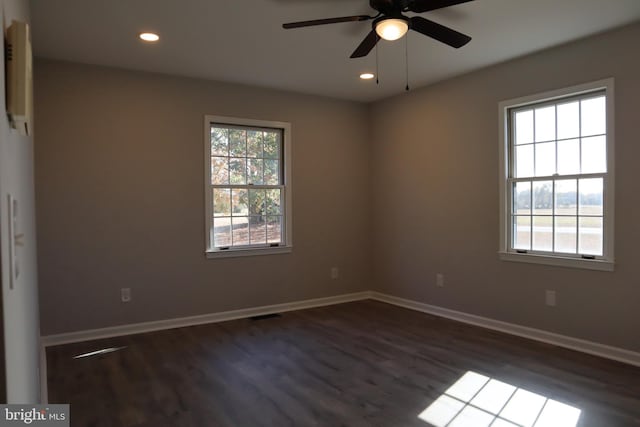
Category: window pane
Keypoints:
(255, 171)
(239, 202)
(594, 154)
(591, 196)
(258, 230)
(524, 127)
(542, 239)
(274, 229)
(594, 116)
(542, 197)
(240, 230)
(219, 142)
(522, 198)
(222, 231)
(546, 123)
(221, 202)
(566, 197)
(219, 170)
(238, 171)
(271, 172)
(256, 202)
(524, 161)
(273, 202)
(545, 159)
(569, 157)
(254, 143)
(522, 232)
(590, 238)
(569, 120)
(237, 143)
(566, 234)
(272, 145)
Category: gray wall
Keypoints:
(20, 305)
(120, 188)
(391, 193)
(435, 196)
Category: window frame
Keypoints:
(506, 252)
(286, 246)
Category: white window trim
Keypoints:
(287, 247)
(605, 263)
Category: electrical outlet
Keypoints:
(334, 273)
(125, 294)
(440, 280)
(550, 298)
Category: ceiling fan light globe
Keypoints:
(392, 28)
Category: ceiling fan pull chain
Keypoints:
(377, 67)
(406, 60)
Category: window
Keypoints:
(247, 187)
(557, 177)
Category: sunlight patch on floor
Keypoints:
(476, 400)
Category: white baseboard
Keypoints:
(597, 349)
(138, 328)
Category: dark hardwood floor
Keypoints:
(358, 364)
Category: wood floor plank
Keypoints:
(363, 364)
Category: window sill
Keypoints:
(233, 253)
(587, 264)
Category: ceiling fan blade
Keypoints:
(326, 21)
(420, 6)
(439, 32)
(367, 44)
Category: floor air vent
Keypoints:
(265, 316)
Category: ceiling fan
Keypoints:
(391, 24)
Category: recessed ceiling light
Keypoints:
(366, 76)
(149, 37)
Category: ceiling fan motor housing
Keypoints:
(385, 17)
(389, 7)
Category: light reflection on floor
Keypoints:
(98, 352)
(478, 401)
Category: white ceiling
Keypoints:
(243, 40)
